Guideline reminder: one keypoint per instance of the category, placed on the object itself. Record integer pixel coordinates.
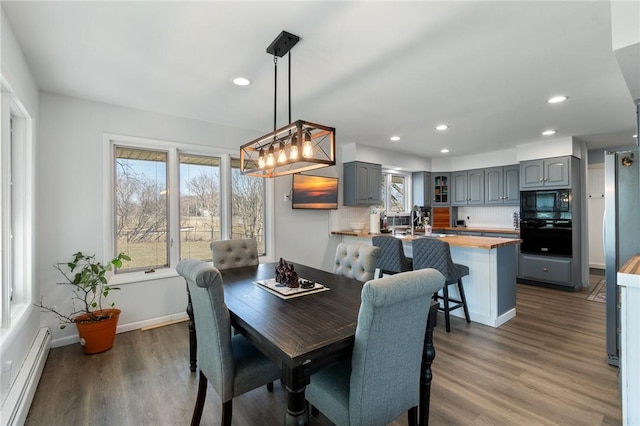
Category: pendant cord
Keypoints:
(275, 89)
(289, 55)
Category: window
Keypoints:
(16, 199)
(394, 192)
(247, 206)
(141, 223)
(170, 200)
(199, 205)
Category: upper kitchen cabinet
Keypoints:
(440, 188)
(361, 183)
(550, 172)
(421, 183)
(502, 185)
(468, 187)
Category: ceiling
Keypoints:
(370, 69)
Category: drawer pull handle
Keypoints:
(544, 269)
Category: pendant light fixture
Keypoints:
(296, 147)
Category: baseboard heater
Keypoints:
(16, 405)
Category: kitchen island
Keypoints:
(490, 287)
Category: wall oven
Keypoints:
(545, 222)
(546, 237)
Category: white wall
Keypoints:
(16, 77)
(70, 196)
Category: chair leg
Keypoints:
(445, 297)
(202, 394)
(270, 386)
(227, 410)
(412, 415)
(464, 301)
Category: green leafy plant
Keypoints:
(90, 287)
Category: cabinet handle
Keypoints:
(544, 269)
(506, 197)
(541, 180)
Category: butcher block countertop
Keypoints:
(632, 267)
(453, 240)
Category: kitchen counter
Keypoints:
(629, 288)
(453, 240)
(466, 229)
(490, 287)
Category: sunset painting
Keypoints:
(314, 192)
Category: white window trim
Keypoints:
(408, 189)
(173, 148)
(17, 262)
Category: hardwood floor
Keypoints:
(546, 366)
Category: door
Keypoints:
(512, 185)
(556, 171)
(494, 185)
(459, 182)
(475, 182)
(595, 205)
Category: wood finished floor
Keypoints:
(546, 366)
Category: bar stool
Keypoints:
(434, 253)
(392, 259)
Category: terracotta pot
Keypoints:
(97, 336)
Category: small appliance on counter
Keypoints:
(460, 223)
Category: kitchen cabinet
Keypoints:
(548, 269)
(545, 173)
(361, 183)
(468, 187)
(502, 185)
(421, 183)
(440, 187)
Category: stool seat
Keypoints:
(434, 253)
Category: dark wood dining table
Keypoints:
(305, 333)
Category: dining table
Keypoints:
(305, 333)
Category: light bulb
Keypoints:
(261, 159)
(307, 148)
(282, 155)
(270, 157)
(293, 152)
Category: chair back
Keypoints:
(215, 356)
(389, 341)
(432, 252)
(234, 253)
(392, 258)
(356, 261)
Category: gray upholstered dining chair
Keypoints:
(432, 252)
(392, 257)
(234, 253)
(382, 379)
(230, 363)
(356, 261)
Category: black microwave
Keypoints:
(545, 204)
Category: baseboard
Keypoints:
(16, 406)
(123, 328)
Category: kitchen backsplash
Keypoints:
(488, 217)
(479, 217)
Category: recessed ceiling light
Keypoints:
(442, 127)
(395, 138)
(548, 132)
(557, 99)
(241, 81)
(444, 151)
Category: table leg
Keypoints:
(193, 343)
(295, 381)
(428, 355)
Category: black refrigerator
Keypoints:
(621, 232)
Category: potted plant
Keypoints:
(95, 319)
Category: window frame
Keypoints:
(173, 181)
(408, 199)
(17, 201)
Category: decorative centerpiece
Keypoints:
(285, 274)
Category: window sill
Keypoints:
(136, 277)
